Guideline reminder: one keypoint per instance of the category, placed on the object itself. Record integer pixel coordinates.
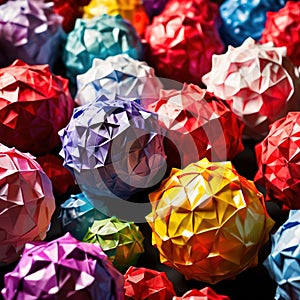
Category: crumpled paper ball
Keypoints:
(154, 7)
(122, 241)
(278, 161)
(131, 10)
(283, 262)
(27, 203)
(206, 293)
(99, 37)
(178, 43)
(143, 283)
(118, 75)
(242, 19)
(208, 222)
(258, 83)
(61, 178)
(77, 214)
(30, 31)
(70, 10)
(197, 124)
(283, 29)
(63, 268)
(34, 105)
(114, 149)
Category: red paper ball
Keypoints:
(61, 178)
(34, 106)
(26, 204)
(278, 159)
(181, 43)
(283, 29)
(197, 125)
(206, 293)
(142, 283)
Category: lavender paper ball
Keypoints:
(99, 37)
(63, 269)
(77, 215)
(117, 75)
(30, 31)
(283, 263)
(114, 149)
(242, 19)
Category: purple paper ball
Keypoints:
(63, 269)
(30, 31)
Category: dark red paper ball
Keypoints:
(34, 105)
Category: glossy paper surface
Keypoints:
(63, 268)
(256, 82)
(284, 259)
(26, 205)
(198, 124)
(118, 75)
(143, 283)
(208, 222)
(206, 293)
(122, 241)
(278, 161)
(30, 31)
(283, 29)
(34, 105)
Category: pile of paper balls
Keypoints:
(149, 149)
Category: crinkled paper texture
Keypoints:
(143, 283)
(30, 31)
(197, 124)
(77, 214)
(208, 222)
(26, 205)
(242, 19)
(118, 75)
(257, 84)
(114, 147)
(122, 241)
(283, 29)
(131, 10)
(61, 178)
(178, 43)
(63, 268)
(283, 262)
(278, 161)
(34, 105)
(206, 293)
(99, 37)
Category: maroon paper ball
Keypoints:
(181, 43)
(34, 105)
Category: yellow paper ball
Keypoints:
(208, 222)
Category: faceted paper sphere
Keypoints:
(198, 124)
(283, 29)
(278, 160)
(208, 222)
(30, 31)
(258, 83)
(242, 19)
(63, 268)
(181, 44)
(118, 75)
(34, 105)
(122, 241)
(77, 215)
(143, 283)
(99, 37)
(114, 148)
(283, 262)
(206, 293)
(27, 203)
